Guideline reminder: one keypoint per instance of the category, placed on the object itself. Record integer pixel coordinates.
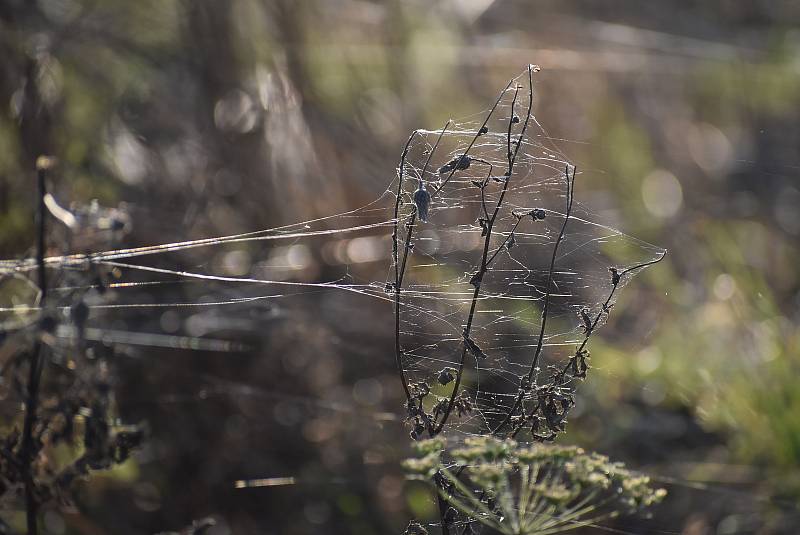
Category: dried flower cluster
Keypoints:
(525, 490)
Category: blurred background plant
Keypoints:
(56, 369)
(211, 118)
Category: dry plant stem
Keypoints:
(558, 378)
(400, 269)
(398, 358)
(512, 155)
(443, 505)
(35, 366)
(545, 308)
(606, 308)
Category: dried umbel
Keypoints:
(527, 490)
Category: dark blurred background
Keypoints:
(207, 118)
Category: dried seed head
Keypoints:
(445, 376)
(422, 200)
(418, 431)
(459, 163)
(615, 276)
(475, 280)
(511, 242)
(587, 321)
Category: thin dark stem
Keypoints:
(483, 187)
(522, 423)
(505, 241)
(558, 379)
(606, 305)
(398, 355)
(35, 367)
(570, 197)
(512, 155)
(643, 264)
(546, 306)
(400, 269)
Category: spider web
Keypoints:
(487, 352)
(505, 248)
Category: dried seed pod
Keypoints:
(459, 163)
(445, 376)
(587, 321)
(418, 431)
(422, 200)
(511, 242)
(484, 223)
(615, 276)
(476, 278)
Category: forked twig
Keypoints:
(400, 266)
(478, 277)
(559, 379)
(546, 307)
(400, 269)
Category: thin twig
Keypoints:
(35, 367)
(478, 278)
(546, 306)
(606, 305)
(558, 379)
(400, 269)
(398, 356)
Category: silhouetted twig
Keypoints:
(525, 382)
(477, 278)
(35, 366)
(576, 364)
